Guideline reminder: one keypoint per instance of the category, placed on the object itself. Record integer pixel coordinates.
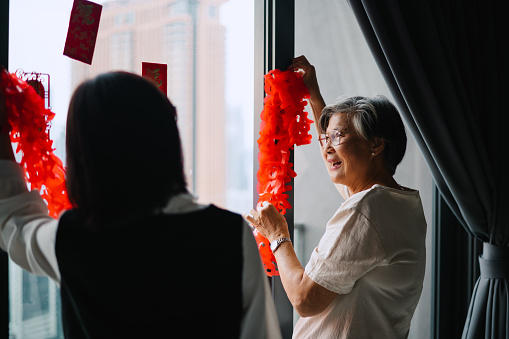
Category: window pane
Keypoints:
(208, 47)
(330, 38)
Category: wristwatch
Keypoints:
(276, 243)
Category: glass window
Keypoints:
(118, 20)
(206, 46)
(329, 36)
(179, 7)
(130, 18)
(122, 50)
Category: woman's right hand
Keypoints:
(301, 65)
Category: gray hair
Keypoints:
(371, 118)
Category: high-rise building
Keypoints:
(34, 306)
(187, 36)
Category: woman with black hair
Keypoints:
(136, 256)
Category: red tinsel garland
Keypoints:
(284, 124)
(30, 119)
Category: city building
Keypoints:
(188, 36)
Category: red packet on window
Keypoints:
(157, 73)
(82, 32)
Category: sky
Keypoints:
(37, 32)
(37, 36)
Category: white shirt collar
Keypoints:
(182, 203)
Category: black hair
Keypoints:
(124, 154)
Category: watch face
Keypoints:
(273, 245)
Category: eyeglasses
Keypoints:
(334, 138)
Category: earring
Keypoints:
(372, 153)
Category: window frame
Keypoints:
(455, 270)
(4, 260)
(274, 48)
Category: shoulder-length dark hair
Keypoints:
(124, 154)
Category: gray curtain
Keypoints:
(446, 64)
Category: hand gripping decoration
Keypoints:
(30, 120)
(284, 124)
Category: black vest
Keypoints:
(163, 276)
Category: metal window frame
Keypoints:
(4, 261)
(274, 48)
(455, 271)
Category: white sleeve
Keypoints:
(259, 319)
(349, 248)
(27, 232)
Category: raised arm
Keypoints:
(27, 232)
(301, 64)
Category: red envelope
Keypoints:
(82, 32)
(157, 73)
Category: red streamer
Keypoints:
(284, 125)
(30, 121)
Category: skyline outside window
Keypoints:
(206, 45)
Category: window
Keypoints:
(206, 46)
(34, 305)
(122, 50)
(130, 18)
(212, 11)
(178, 7)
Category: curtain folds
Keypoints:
(446, 64)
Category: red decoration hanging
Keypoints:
(284, 124)
(38, 82)
(30, 120)
(157, 73)
(82, 31)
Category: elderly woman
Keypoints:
(364, 278)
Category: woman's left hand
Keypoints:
(269, 222)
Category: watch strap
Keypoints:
(276, 243)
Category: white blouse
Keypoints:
(373, 255)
